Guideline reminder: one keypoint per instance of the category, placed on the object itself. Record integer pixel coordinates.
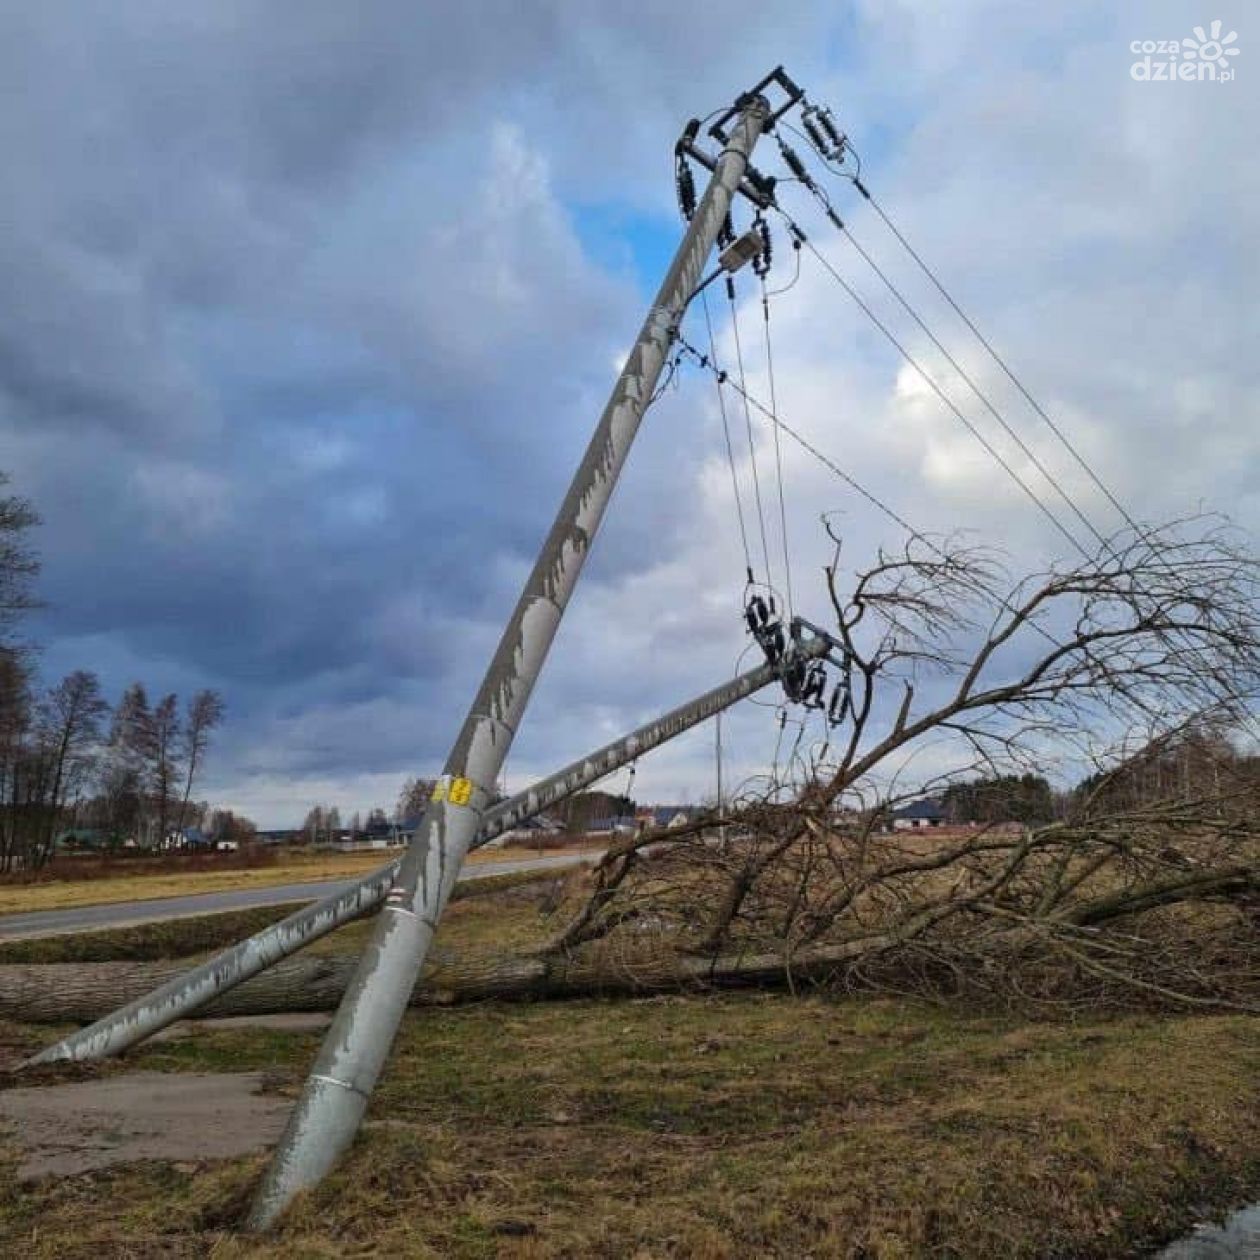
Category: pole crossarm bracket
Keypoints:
(777, 78)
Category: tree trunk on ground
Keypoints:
(82, 992)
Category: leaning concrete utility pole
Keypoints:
(328, 1114)
(186, 994)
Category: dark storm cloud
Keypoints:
(300, 335)
(309, 310)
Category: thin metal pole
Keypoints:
(182, 996)
(717, 749)
(336, 1095)
(717, 752)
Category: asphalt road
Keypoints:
(129, 913)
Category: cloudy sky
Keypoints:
(312, 307)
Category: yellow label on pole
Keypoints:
(439, 791)
(460, 792)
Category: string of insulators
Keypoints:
(684, 180)
(834, 134)
(764, 184)
(798, 237)
(686, 185)
(815, 133)
(762, 618)
(839, 705)
(725, 236)
(798, 168)
(761, 263)
(824, 135)
(793, 159)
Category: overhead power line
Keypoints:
(1200, 690)
(718, 381)
(932, 384)
(778, 451)
(752, 446)
(1068, 445)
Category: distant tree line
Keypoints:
(323, 823)
(1024, 798)
(69, 759)
(1195, 763)
(1187, 764)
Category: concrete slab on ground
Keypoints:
(67, 1129)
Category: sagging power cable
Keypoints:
(719, 380)
(762, 269)
(752, 446)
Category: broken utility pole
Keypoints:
(188, 993)
(328, 1114)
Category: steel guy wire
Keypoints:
(709, 363)
(752, 447)
(719, 379)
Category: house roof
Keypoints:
(920, 809)
(84, 836)
(663, 815)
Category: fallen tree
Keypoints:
(1136, 669)
(60, 993)
(1145, 889)
(1203, 913)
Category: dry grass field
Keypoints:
(698, 1125)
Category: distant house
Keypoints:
(919, 815)
(82, 840)
(405, 831)
(622, 825)
(376, 835)
(178, 838)
(284, 835)
(670, 816)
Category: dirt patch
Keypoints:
(68, 1129)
